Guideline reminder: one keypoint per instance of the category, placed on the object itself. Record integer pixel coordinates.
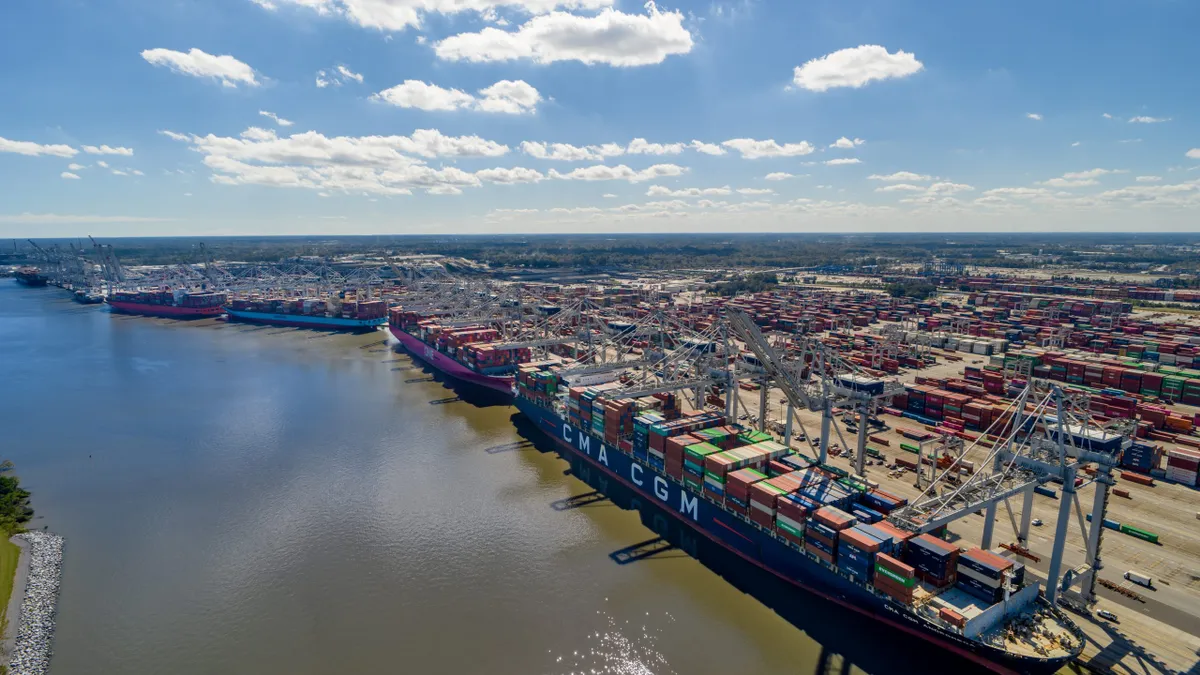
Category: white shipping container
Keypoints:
(1181, 476)
(982, 348)
(1139, 578)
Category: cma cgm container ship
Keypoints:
(813, 526)
(170, 303)
(325, 313)
(465, 353)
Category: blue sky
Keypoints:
(144, 116)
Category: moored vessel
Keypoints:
(168, 303)
(467, 353)
(808, 524)
(30, 276)
(333, 313)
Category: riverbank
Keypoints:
(14, 572)
(35, 626)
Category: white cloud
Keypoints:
(1194, 153)
(509, 96)
(363, 164)
(1106, 116)
(778, 175)
(278, 120)
(854, 67)
(564, 152)
(444, 190)
(510, 176)
(34, 149)
(661, 191)
(639, 146)
(337, 76)
(349, 74)
(1143, 119)
(947, 188)
(620, 172)
(1148, 179)
(227, 70)
(901, 187)
(424, 96)
(102, 164)
(843, 160)
(707, 148)
(901, 176)
(754, 149)
(1020, 192)
(136, 172)
(1033, 116)
(610, 37)
(846, 144)
(506, 96)
(395, 15)
(1075, 144)
(1130, 140)
(1092, 173)
(106, 150)
(1068, 183)
(75, 167)
(755, 191)
(118, 172)
(608, 195)
(69, 175)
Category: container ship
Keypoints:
(324, 313)
(31, 276)
(466, 353)
(811, 525)
(174, 304)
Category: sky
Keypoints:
(227, 117)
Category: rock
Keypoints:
(31, 652)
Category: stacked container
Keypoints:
(933, 559)
(694, 457)
(737, 489)
(1182, 466)
(894, 578)
(981, 574)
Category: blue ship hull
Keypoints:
(762, 548)
(302, 321)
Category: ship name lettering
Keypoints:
(585, 443)
(689, 505)
(660, 488)
(635, 472)
(603, 455)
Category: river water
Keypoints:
(240, 499)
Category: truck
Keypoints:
(1139, 578)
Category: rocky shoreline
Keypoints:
(35, 634)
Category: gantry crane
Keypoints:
(816, 378)
(1050, 438)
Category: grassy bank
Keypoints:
(10, 553)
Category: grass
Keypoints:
(10, 553)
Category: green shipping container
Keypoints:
(1139, 533)
(907, 583)
(788, 528)
(911, 448)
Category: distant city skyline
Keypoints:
(144, 118)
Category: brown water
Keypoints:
(240, 499)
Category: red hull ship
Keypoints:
(173, 304)
(169, 311)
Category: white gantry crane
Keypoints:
(816, 378)
(1050, 439)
